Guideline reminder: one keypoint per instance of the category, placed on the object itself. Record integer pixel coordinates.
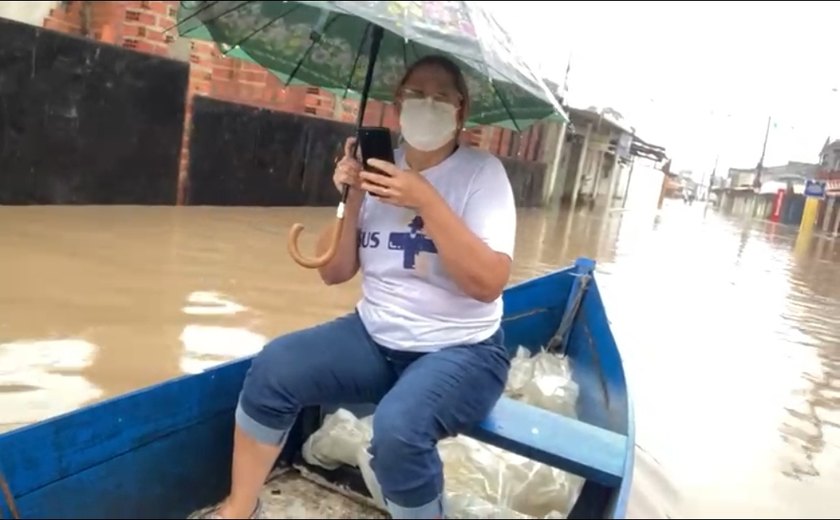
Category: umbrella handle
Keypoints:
(9, 497)
(326, 256)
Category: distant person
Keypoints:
(434, 244)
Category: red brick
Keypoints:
(171, 11)
(154, 34)
(138, 45)
(528, 143)
(242, 91)
(252, 76)
(69, 17)
(67, 10)
(201, 89)
(225, 90)
(272, 81)
(251, 67)
(159, 7)
(374, 113)
(134, 4)
(197, 69)
(137, 32)
(504, 146)
(158, 49)
(222, 73)
(203, 58)
(61, 26)
(140, 17)
(391, 119)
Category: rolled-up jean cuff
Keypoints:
(260, 433)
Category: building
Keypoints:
(830, 155)
(829, 172)
(596, 152)
(773, 177)
(745, 192)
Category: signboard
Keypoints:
(815, 189)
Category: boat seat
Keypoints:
(556, 440)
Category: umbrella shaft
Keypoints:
(376, 39)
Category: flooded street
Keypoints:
(730, 329)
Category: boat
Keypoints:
(164, 451)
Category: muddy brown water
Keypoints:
(729, 328)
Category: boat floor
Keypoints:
(291, 495)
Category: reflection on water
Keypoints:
(208, 345)
(43, 378)
(730, 329)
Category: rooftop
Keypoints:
(611, 120)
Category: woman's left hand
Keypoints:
(405, 188)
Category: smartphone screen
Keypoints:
(375, 143)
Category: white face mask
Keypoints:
(427, 124)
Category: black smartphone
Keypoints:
(375, 143)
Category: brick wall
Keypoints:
(142, 26)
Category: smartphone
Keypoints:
(375, 143)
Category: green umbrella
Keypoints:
(362, 49)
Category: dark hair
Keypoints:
(451, 68)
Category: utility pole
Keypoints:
(757, 181)
(712, 178)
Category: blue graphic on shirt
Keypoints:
(412, 243)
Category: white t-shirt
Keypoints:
(409, 302)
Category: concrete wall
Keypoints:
(85, 122)
(246, 156)
(596, 173)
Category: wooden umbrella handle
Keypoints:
(10, 499)
(323, 259)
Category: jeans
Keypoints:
(421, 398)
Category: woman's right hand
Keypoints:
(348, 168)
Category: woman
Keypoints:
(434, 245)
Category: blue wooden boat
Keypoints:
(164, 451)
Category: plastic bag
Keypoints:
(466, 505)
(504, 479)
(337, 441)
(363, 458)
(482, 481)
(544, 381)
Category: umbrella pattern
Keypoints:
(324, 44)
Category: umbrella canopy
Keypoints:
(323, 44)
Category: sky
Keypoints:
(700, 78)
